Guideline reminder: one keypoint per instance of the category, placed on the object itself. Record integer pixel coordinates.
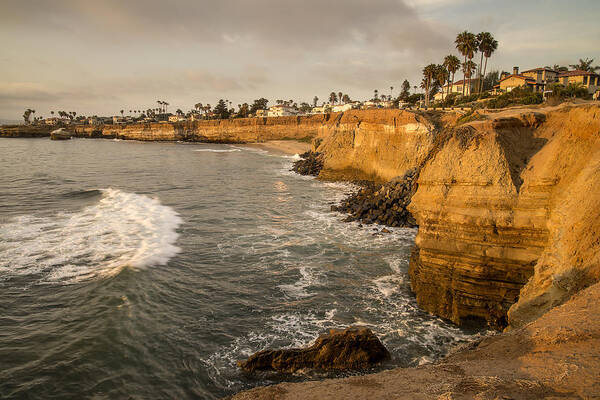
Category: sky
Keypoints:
(97, 57)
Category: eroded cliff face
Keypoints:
(245, 130)
(508, 208)
(374, 144)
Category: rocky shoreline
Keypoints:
(509, 228)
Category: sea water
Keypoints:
(146, 270)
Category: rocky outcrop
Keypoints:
(29, 131)
(555, 357)
(383, 204)
(310, 164)
(349, 349)
(242, 130)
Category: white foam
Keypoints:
(123, 229)
(298, 290)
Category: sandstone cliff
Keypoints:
(498, 202)
(244, 130)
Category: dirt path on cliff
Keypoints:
(555, 357)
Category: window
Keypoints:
(585, 80)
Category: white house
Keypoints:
(176, 118)
(342, 107)
(457, 88)
(281, 110)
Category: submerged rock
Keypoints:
(310, 164)
(352, 348)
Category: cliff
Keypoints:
(243, 130)
(509, 234)
(499, 202)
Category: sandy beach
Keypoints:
(283, 146)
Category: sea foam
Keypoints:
(121, 230)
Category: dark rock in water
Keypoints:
(349, 349)
(383, 204)
(60, 134)
(310, 164)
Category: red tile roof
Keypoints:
(576, 72)
(540, 69)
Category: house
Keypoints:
(342, 107)
(589, 80)
(261, 113)
(515, 80)
(118, 120)
(319, 110)
(176, 118)
(93, 121)
(457, 88)
(542, 75)
(57, 121)
(281, 110)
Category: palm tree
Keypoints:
(376, 94)
(429, 73)
(468, 69)
(122, 111)
(315, 100)
(332, 98)
(52, 112)
(452, 64)
(487, 46)
(466, 43)
(585, 65)
(441, 76)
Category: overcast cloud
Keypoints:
(97, 57)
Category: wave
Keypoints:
(122, 229)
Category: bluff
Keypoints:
(506, 207)
(243, 130)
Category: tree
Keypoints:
(585, 65)
(122, 111)
(221, 110)
(243, 110)
(305, 107)
(376, 95)
(487, 46)
(558, 68)
(27, 115)
(441, 76)
(315, 100)
(332, 98)
(468, 69)
(340, 95)
(405, 92)
(490, 80)
(466, 44)
(179, 112)
(452, 64)
(259, 104)
(429, 73)
(346, 99)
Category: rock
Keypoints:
(349, 349)
(384, 230)
(386, 204)
(310, 164)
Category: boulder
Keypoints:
(349, 349)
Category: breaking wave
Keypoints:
(121, 230)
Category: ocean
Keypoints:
(146, 270)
